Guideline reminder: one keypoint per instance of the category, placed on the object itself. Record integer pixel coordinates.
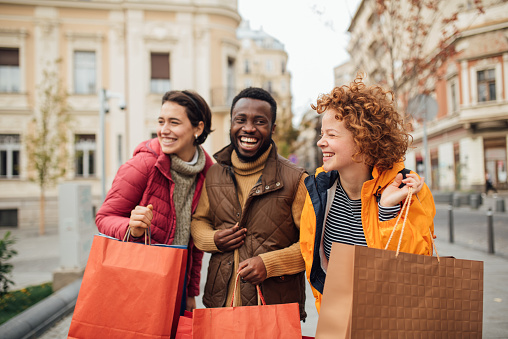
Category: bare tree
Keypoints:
(413, 39)
(46, 138)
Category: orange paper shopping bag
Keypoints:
(129, 290)
(280, 321)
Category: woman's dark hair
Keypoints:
(196, 108)
(259, 94)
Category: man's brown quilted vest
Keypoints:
(267, 216)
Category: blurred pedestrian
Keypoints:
(489, 186)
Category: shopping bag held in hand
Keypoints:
(280, 321)
(184, 330)
(375, 293)
(130, 290)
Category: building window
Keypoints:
(120, 151)
(10, 147)
(283, 67)
(486, 85)
(231, 80)
(85, 155)
(247, 67)
(9, 218)
(269, 66)
(84, 72)
(9, 70)
(455, 101)
(283, 87)
(268, 86)
(160, 76)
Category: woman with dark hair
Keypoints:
(356, 197)
(159, 187)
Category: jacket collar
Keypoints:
(381, 179)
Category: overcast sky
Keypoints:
(314, 34)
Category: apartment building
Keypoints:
(262, 62)
(465, 135)
(126, 52)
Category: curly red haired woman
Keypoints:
(356, 196)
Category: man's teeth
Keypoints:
(249, 140)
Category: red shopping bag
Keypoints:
(129, 290)
(184, 330)
(280, 321)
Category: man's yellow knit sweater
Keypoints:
(281, 262)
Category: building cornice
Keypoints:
(227, 11)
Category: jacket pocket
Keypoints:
(217, 281)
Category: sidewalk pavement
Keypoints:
(38, 257)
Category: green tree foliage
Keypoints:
(47, 136)
(285, 139)
(6, 253)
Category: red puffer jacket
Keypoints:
(146, 179)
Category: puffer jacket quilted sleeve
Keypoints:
(126, 192)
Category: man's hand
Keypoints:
(229, 239)
(252, 270)
(141, 219)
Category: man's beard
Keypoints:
(254, 157)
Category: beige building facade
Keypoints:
(134, 51)
(262, 62)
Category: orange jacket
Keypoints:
(417, 232)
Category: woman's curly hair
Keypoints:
(369, 113)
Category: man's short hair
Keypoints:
(258, 94)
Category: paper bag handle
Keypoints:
(406, 204)
(148, 234)
(263, 302)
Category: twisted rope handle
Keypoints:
(260, 295)
(406, 206)
(434, 246)
(148, 234)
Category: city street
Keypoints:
(38, 257)
(470, 228)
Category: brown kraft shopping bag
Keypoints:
(376, 293)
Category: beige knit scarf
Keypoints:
(184, 176)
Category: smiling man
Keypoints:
(248, 215)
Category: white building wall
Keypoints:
(137, 90)
(472, 162)
(410, 162)
(446, 166)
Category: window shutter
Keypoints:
(9, 56)
(160, 65)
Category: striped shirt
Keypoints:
(344, 221)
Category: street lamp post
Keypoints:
(424, 107)
(104, 96)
